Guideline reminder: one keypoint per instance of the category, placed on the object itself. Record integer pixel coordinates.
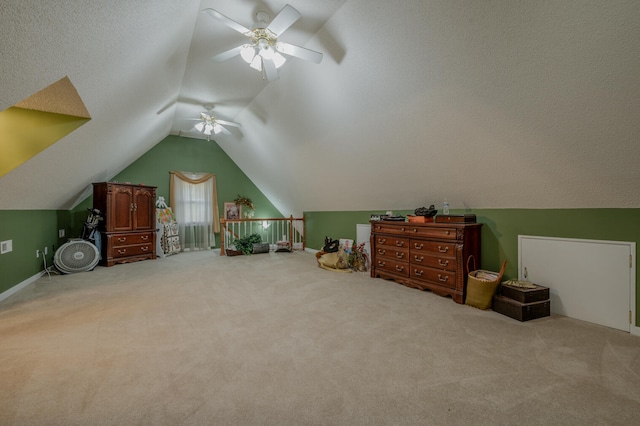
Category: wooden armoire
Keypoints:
(128, 231)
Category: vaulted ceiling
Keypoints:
(495, 104)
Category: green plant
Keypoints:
(245, 201)
(245, 244)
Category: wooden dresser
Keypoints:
(426, 256)
(129, 228)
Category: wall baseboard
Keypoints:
(16, 288)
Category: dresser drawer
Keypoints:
(129, 239)
(124, 251)
(392, 242)
(384, 228)
(443, 233)
(390, 265)
(393, 253)
(437, 262)
(439, 276)
(433, 247)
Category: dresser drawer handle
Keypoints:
(418, 259)
(382, 252)
(381, 263)
(415, 230)
(399, 268)
(443, 250)
(448, 232)
(122, 239)
(403, 229)
(399, 243)
(144, 237)
(443, 279)
(418, 273)
(418, 246)
(441, 263)
(144, 248)
(382, 240)
(400, 255)
(122, 251)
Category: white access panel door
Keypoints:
(589, 280)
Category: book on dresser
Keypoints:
(128, 230)
(425, 256)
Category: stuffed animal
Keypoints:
(336, 261)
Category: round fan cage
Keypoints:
(76, 256)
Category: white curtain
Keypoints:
(194, 201)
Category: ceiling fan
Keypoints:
(209, 123)
(264, 51)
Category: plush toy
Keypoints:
(336, 261)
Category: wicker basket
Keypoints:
(482, 285)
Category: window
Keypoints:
(194, 202)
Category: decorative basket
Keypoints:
(482, 285)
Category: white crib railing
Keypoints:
(271, 230)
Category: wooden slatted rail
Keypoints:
(271, 230)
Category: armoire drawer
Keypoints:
(124, 251)
(130, 239)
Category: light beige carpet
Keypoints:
(271, 339)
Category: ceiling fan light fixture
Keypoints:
(217, 128)
(208, 128)
(248, 52)
(256, 64)
(200, 126)
(279, 60)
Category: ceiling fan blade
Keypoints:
(299, 52)
(228, 123)
(225, 131)
(284, 19)
(270, 70)
(227, 21)
(228, 54)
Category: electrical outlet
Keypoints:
(37, 253)
(6, 246)
(60, 233)
(46, 250)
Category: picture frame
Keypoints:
(232, 211)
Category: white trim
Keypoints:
(310, 250)
(635, 331)
(16, 288)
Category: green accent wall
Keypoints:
(35, 229)
(176, 153)
(30, 230)
(501, 229)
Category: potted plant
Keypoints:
(245, 244)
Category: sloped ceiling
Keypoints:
(489, 104)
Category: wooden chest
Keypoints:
(521, 311)
(455, 218)
(525, 295)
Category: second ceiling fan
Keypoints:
(264, 52)
(209, 123)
